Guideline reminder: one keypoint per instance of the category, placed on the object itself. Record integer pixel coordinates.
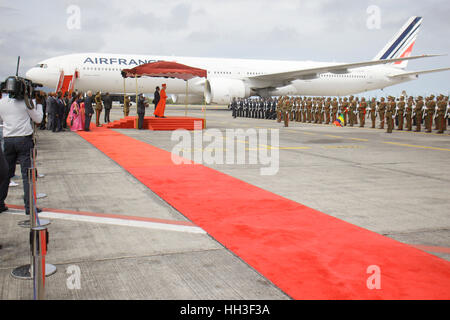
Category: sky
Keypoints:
(318, 30)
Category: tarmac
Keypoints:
(127, 243)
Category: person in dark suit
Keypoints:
(107, 102)
(88, 111)
(52, 107)
(233, 107)
(141, 105)
(43, 95)
(60, 112)
(156, 97)
(67, 99)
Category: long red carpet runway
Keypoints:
(306, 253)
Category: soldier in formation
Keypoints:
(402, 113)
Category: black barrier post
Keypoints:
(38, 245)
(37, 269)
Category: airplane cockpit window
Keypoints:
(41, 65)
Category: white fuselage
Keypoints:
(102, 72)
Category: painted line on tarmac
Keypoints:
(434, 249)
(415, 146)
(115, 219)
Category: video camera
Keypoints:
(20, 89)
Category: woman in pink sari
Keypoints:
(76, 114)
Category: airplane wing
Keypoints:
(284, 78)
(416, 73)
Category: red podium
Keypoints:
(152, 123)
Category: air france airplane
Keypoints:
(227, 78)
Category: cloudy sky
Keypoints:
(319, 30)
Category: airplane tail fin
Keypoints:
(402, 43)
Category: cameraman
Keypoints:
(17, 113)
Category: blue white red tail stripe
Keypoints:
(410, 31)
(402, 43)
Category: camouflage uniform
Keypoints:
(418, 110)
(389, 113)
(431, 106)
(309, 110)
(327, 111)
(441, 108)
(334, 110)
(279, 104)
(126, 106)
(373, 111)
(362, 112)
(381, 111)
(319, 111)
(400, 112)
(408, 114)
(344, 110)
(285, 110)
(98, 108)
(351, 111)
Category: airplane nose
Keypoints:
(30, 74)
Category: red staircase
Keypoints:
(157, 124)
(66, 83)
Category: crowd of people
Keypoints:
(402, 112)
(72, 111)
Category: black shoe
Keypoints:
(3, 209)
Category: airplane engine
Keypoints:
(223, 90)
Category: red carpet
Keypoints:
(152, 123)
(306, 253)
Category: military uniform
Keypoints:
(431, 106)
(309, 110)
(418, 113)
(351, 111)
(233, 107)
(441, 109)
(285, 110)
(279, 104)
(362, 112)
(126, 106)
(391, 105)
(327, 110)
(98, 108)
(400, 112)
(344, 110)
(298, 106)
(314, 111)
(274, 109)
(447, 113)
(373, 111)
(319, 111)
(408, 113)
(334, 110)
(381, 111)
(303, 109)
